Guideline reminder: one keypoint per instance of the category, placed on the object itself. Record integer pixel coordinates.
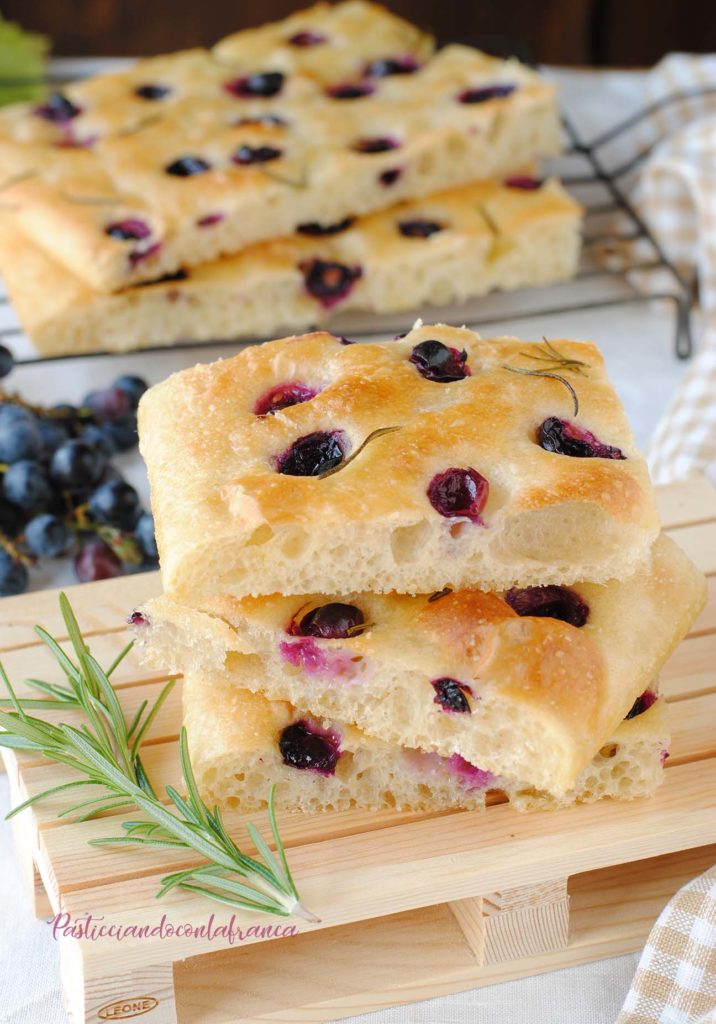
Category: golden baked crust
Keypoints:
(485, 236)
(544, 695)
(235, 736)
(229, 522)
(71, 179)
(356, 33)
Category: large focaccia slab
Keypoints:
(436, 459)
(528, 685)
(131, 176)
(447, 247)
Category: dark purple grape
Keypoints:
(115, 503)
(76, 466)
(389, 177)
(246, 155)
(450, 695)
(419, 228)
(124, 433)
(350, 90)
(262, 83)
(144, 532)
(132, 386)
(483, 93)
(152, 91)
(13, 576)
(25, 484)
(209, 219)
(565, 438)
(57, 109)
(328, 281)
(11, 518)
(66, 412)
(303, 745)
(376, 144)
(96, 561)
(551, 602)
(315, 230)
(108, 404)
(282, 396)
(525, 182)
(385, 66)
(641, 704)
(458, 493)
(7, 361)
(47, 536)
(187, 167)
(438, 363)
(312, 454)
(97, 435)
(128, 230)
(307, 38)
(20, 436)
(54, 433)
(334, 621)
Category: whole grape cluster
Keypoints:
(60, 494)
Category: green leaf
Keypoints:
(120, 658)
(166, 690)
(277, 839)
(22, 61)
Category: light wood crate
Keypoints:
(411, 905)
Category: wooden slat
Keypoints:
(100, 608)
(433, 861)
(37, 662)
(691, 669)
(686, 502)
(706, 622)
(699, 543)
(693, 729)
(417, 955)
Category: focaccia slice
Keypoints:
(241, 744)
(528, 685)
(448, 247)
(437, 459)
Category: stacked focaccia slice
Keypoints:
(491, 601)
(445, 248)
(239, 191)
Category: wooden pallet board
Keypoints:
(433, 903)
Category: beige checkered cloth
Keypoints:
(676, 194)
(675, 982)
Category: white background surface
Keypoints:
(637, 345)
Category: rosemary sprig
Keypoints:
(354, 455)
(556, 360)
(104, 751)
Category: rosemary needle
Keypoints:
(555, 359)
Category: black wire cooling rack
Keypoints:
(611, 222)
